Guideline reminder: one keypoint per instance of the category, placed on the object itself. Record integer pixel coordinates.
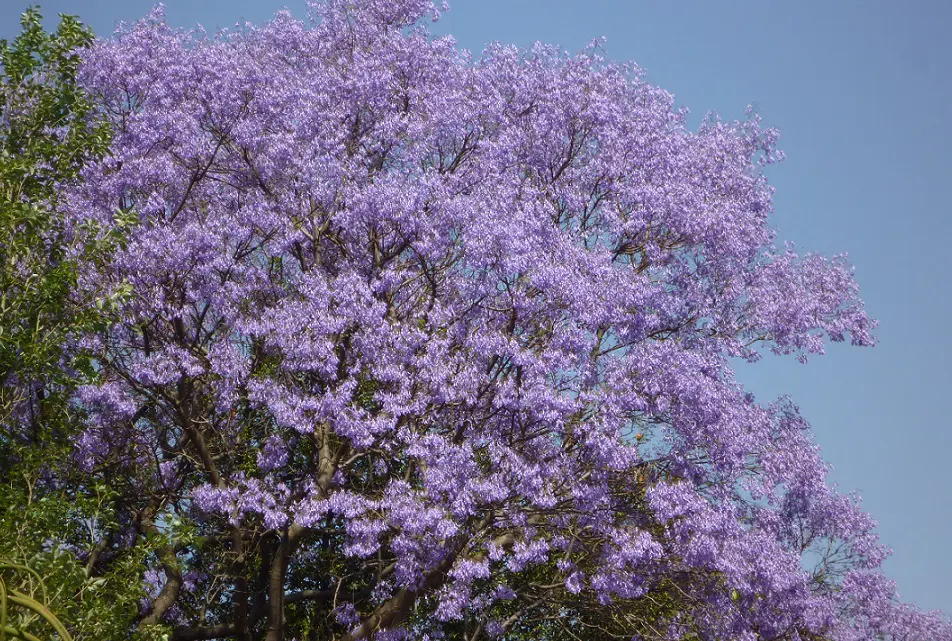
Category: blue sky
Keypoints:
(861, 92)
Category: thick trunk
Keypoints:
(241, 587)
(279, 570)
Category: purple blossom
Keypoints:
(434, 325)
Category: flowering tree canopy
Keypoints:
(417, 345)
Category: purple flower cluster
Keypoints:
(454, 332)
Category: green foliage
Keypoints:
(59, 575)
(47, 130)
(40, 533)
(42, 529)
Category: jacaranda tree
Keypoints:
(427, 346)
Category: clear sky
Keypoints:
(861, 92)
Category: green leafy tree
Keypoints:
(47, 132)
(58, 578)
